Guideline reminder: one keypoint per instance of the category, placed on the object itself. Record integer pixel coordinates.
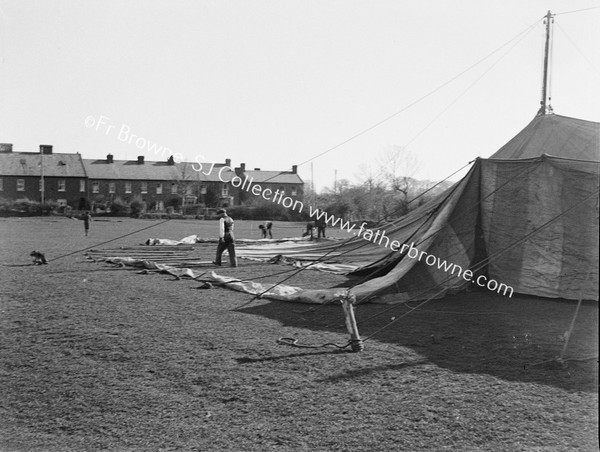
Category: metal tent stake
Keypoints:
(348, 306)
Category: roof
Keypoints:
(208, 172)
(30, 164)
(130, 170)
(274, 177)
(555, 135)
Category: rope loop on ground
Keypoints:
(291, 342)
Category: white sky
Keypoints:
(275, 83)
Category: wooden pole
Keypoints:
(42, 188)
(348, 306)
(560, 359)
(544, 106)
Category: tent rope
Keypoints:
(93, 246)
(292, 342)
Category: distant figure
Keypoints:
(263, 230)
(309, 230)
(321, 225)
(87, 218)
(38, 257)
(269, 227)
(226, 238)
(266, 229)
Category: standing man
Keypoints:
(321, 225)
(226, 238)
(87, 218)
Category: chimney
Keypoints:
(240, 171)
(6, 147)
(171, 161)
(45, 149)
(294, 169)
(228, 162)
(140, 159)
(109, 158)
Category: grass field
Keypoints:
(95, 358)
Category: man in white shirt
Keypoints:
(226, 238)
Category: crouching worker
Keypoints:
(266, 229)
(226, 238)
(309, 230)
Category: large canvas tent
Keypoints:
(526, 218)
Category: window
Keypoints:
(294, 190)
(159, 189)
(95, 187)
(225, 191)
(20, 184)
(188, 189)
(174, 188)
(111, 187)
(1, 184)
(144, 188)
(202, 189)
(62, 185)
(282, 190)
(81, 185)
(41, 184)
(127, 187)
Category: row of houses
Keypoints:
(71, 180)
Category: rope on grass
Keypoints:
(291, 342)
(89, 247)
(108, 241)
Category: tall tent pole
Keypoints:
(42, 188)
(544, 107)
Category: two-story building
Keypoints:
(287, 183)
(158, 184)
(42, 176)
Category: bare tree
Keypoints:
(397, 167)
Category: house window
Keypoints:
(188, 189)
(294, 190)
(1, 184)
(111, 187)
(127, 187)
(282, 190)
(62, 185)
(20, 184)
(159, 189)
(144, 188)
(41, 184)
(225, 191)
(202, 189)
(174, 188)
(95, 187)
(81, 185)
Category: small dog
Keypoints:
(38, 258)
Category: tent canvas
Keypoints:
(526, 218)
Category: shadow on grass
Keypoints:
(288, 356)
(515, 339)
(363, 372)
